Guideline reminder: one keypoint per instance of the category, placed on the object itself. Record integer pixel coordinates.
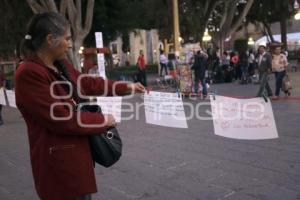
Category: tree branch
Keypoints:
(89, 17)
(63, 7)
(231, 10)
(242, 16)
(79, 14)
(206, 6)
(268, 31)
(52, 6)
(71, 14)
(43, 3)
(224, 18)
(35, 6)
(211, 7)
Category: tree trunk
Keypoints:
(75, 49)
(229, 22)
(269, 31)
(209, 7)
(73, 11)
(201, 34)
(283, 29)
(241, 17)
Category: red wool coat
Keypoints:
(59, 150)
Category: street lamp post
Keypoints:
(297, 16)
(206, 38)
(296, 6)
(176, 27)
(250, 41)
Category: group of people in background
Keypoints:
(276, 63)
(244, 67)
(209, 66)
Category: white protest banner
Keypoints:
(2, 97)
(111, 105)
(100, 56)
(11, 98)
(164, 109)
(248, 119)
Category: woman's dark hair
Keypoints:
(39, 27)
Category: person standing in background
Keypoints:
(251, 59)
(225, 63)
(279, 65)
(243, 67)
(264, 63)
(237, 70)
(163, 60)
(142, 68)
(199, 66)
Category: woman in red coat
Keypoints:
(60, 155)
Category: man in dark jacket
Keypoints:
(199, 66)
(264, 63)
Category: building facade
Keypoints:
(146, 40)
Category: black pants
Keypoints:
(279, 78)
(264, 86)
(85, 197)
(162, 67)
(142, 77)
(203, 84)
(238, 72)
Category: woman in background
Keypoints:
(279, 66)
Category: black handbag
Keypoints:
(106, 148)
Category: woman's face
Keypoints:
(277, 50)
(61, 45)
(261, 50)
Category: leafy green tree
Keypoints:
(14, 17)
(268, 12)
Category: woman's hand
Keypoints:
(136, 88)
(109, 120)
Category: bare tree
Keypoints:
(233, 23)
(231, 19)
(72, 9)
